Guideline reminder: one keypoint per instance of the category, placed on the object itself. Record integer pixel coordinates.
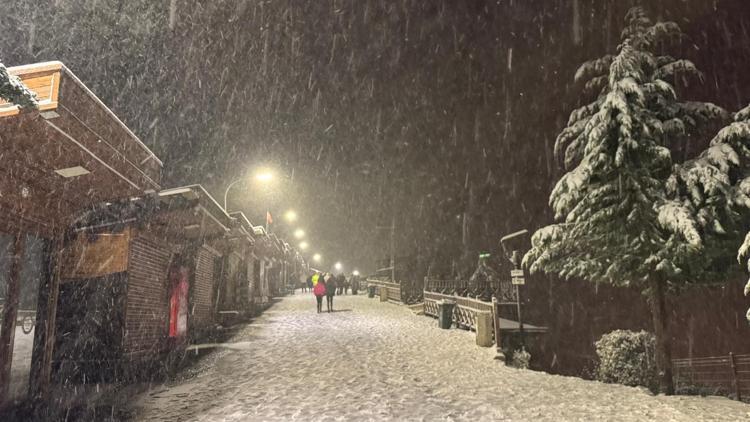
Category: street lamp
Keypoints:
(290, 216)
(262, 176)
(299, 233)
(338, 266)
(226, 192)
(316, 257)
(355, 272)
(303, 245)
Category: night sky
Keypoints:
(367, 110)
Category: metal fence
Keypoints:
(717, 375)
(485, 290)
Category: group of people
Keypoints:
(328, 285)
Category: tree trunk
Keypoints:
(661, 330)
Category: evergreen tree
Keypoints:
(731, 150)
(623, 216)
(14, 91)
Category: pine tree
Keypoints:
(731, 150)
(14, 91)
(623, 217)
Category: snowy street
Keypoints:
(378, 361)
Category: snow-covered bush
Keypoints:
(520, 359)
(627, 357)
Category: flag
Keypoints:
(269, 219)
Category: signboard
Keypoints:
(516, 277)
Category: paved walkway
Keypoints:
(378, 361)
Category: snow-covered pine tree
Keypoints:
(619, 221)
(14, 91)
(730, 149)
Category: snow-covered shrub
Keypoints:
(627, 357)
(520, 359)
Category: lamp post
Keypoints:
(263, 176)
(226, 192)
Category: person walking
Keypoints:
(319, 291)
(315, 277)
(330, 292)
(355, 284)
(309, 283)
(344, 282)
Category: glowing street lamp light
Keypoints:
(290, 216)
(264, 176)
(355, 272)
(299, 233)
(303, 245)
(338, 266)
(317, 257)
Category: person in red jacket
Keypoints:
(319, 291)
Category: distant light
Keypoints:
(299, 233)
(338, 266)
(316, 257)
(303, 245)
(355, 272)
(264, 176)
(290, 216)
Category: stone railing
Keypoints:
(464, 313)
(392, 290)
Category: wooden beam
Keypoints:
(10, 313)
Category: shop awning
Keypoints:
(242, 230)
(68, 155)
(191, 212)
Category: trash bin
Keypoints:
(371, 291)
(445, 314)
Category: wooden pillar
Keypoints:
(40, 360)
(10, 313)
(50, 326)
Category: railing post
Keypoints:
(734, 376)
(496, 322)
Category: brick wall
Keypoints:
(147, 304)
(202, 290)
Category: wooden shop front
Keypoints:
(138, 283)
(57, 162)
(262, 256)
(241, 278)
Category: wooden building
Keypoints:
(235, 294)
(139, 280)
(57, 162)
(263, 256)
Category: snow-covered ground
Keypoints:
(378, 361)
